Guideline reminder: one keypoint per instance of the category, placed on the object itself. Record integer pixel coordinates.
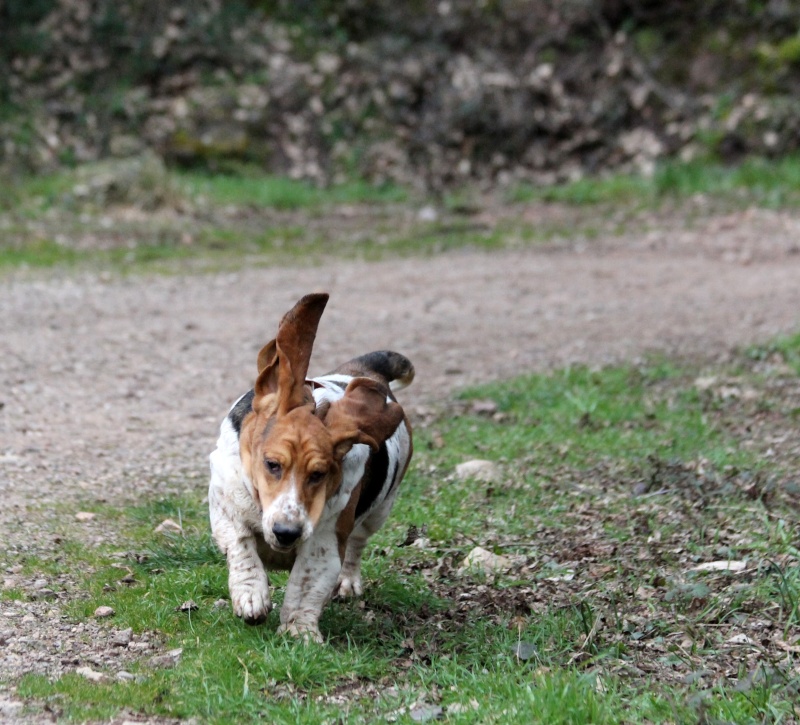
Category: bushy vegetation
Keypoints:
(431, 93)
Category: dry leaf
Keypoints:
(169, 526)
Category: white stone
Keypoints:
(480, 470)
(90, 674)
(732, 566)
(479, 559)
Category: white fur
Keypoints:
(235, 522)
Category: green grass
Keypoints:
(771, 183)
(283, 193)
(39, 192)
(615, 483)
(784, 349)
(224, 221)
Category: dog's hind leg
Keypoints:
(350, 584)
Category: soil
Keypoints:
(113, 388)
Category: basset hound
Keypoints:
(304, 471)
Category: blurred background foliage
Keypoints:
(428, 94)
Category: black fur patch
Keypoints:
(374, 478)
(243, 406)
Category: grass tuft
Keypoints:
(770, 183)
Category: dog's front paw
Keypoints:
(253, 605)
(349, 586)
(306, 632)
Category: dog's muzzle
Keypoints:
(287, 536)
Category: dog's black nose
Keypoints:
(286, 535)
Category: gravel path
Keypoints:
(107, 384)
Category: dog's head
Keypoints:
(292, 451)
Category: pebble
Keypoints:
(9, 707)
(90, 674)
(428, 214)
(479, 559)
(104, 611)
(480, 470)
(41, 594)
(170, 659)
(122, 638)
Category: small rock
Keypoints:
(170, 659)
(427, 214)
(124, 676)
(740, 639)
(423, 713)
(459, 708)
(9, 708)
(479, 559)
(169, 526)
(90, 674)
(480, 470)
(525, 651)
(484, 407)
(42, 594)
(84, 516)
(221, 604)
(706, 383)
(122, 638)
(188, 606)
(104, 611)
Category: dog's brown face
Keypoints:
(292, 451)
(295, 468)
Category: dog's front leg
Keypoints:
(234, 518)
(247, 582)
(311, 584)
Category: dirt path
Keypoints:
(107, 384)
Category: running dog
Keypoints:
(304, 471)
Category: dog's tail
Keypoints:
(391, 367)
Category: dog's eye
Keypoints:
(273, 467)
(316, 477)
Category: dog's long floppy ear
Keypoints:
(363, 415)
(283, 362)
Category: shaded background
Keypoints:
(422, 93)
